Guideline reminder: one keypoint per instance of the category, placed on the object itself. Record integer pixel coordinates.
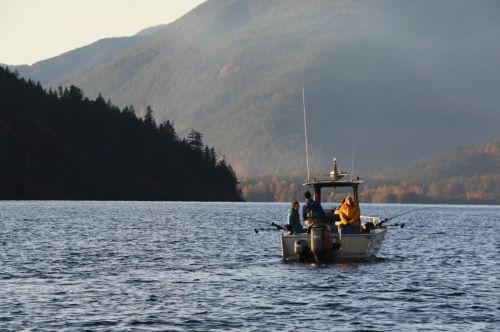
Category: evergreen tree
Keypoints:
(210, 155)
(195, 140)
(149, 118)
(61, 145)
(167, 129)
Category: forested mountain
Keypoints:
(462, 175)
(400, 80)
(62, 145)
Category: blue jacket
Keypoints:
(311, 205)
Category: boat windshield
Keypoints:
(331, 198)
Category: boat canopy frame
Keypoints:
(317, 185)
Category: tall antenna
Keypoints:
(305, 132)
(352, 165)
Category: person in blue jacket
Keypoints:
(294, 219)
(311, 205)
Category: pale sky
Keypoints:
(34, 30)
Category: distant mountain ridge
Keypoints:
(397, 79)
(150, 30)
(467, 175)
(83, 58)
(463, 175)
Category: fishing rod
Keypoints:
(402, 225)
(278, 228)
(399, 215)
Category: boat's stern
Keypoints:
(350, 247)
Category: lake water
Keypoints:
(128, 266)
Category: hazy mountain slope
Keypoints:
(463, 175)
(399, 80)
(150, 30)
(83, 58)
(462, 161)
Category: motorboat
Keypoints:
(325, 241)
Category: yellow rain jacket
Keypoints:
(350, 215)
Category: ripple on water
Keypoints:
(200, 266)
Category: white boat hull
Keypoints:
(346, 248)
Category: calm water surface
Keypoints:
(128, 266)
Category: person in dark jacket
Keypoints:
(294, 218)
(310, 205)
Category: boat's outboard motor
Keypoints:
(301, 249)
(321, 242)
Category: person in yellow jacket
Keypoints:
(350, 216)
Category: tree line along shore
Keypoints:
(58, 144)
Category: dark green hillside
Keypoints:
(61, 145)
(400, 80)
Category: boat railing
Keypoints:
(373, 220)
